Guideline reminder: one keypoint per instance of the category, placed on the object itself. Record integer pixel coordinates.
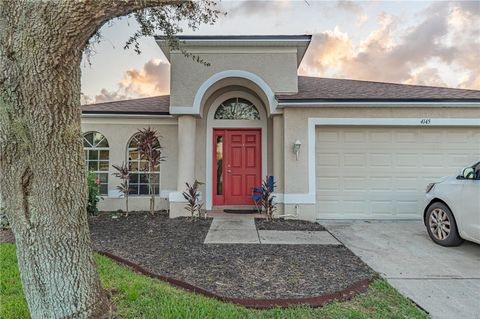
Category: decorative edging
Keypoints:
(317, 301)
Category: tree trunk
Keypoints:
(42, 170)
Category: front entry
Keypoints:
(237, 165)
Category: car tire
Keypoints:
(441, 225)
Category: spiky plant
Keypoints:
(268, 204)
(150, 149)
(192, 196)
(123, 173)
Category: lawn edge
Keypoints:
(316, 301)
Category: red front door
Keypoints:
(237, 166)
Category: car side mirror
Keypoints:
(468, 173)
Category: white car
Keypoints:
(452, 208)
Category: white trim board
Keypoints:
(313, 122)
(284, 104)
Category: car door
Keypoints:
(470, 205)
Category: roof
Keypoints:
(311, 89)
(298, 41)
(157, 105)
(342, 90)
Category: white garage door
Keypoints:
(381, 172)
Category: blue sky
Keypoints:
(413, 42)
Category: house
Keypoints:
(338, 149)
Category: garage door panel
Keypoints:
(369, 172)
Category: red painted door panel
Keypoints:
(242, 165)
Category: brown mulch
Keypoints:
(174, 248)
(287, 224)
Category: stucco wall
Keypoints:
(118, 132)
(277, 67)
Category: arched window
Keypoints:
(139, 171)
(96, 150)
(236, 109)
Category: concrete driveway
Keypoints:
(443, 281)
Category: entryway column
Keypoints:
(278, 155)
(185, 165)
(278, 160)
(186, 151)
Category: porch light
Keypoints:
(296, 148)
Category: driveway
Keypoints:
(443, 281)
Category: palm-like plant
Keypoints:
(192, 195)
(123, 173)
(150, 149)
(268, 202)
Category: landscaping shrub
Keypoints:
(192, 195)
(123, 173)
(268, 205)
(94, 197)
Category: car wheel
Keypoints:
(441, 225)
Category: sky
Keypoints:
(411, 42)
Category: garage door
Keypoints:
(381, 172)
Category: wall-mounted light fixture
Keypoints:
(296, 148)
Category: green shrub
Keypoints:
(94, 197)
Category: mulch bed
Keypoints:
(287, 224)
(174, 248)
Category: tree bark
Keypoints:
(42, 173)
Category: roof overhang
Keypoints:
(283, 103)
(300, 42)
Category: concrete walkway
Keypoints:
(443, 281)
(242, 230)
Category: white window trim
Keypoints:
(313, 122)
(212, 123)
(93, 148)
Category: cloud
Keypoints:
(151, 80)
(447, 35)
(355, 8)
(426, 76)
(248, 8)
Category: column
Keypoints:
(186, 151)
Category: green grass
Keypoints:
(142, 297)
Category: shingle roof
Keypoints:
(158, 105)
(323, 89)
(310, 89)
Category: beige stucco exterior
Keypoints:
(254, 72)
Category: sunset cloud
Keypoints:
(448, 34)
(152, 79)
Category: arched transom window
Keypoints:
(236, 109)
(140, 175)
(96, 150)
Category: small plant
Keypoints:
(268, 204)
(123, 173)
(192, 195)
(94, 197)
(150, 149)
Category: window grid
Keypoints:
(97, 158)
(140, 173)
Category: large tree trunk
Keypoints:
(42, 173)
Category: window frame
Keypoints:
(226, 105)
(93, 147)
(140, 172)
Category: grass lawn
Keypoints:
(142, 297)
